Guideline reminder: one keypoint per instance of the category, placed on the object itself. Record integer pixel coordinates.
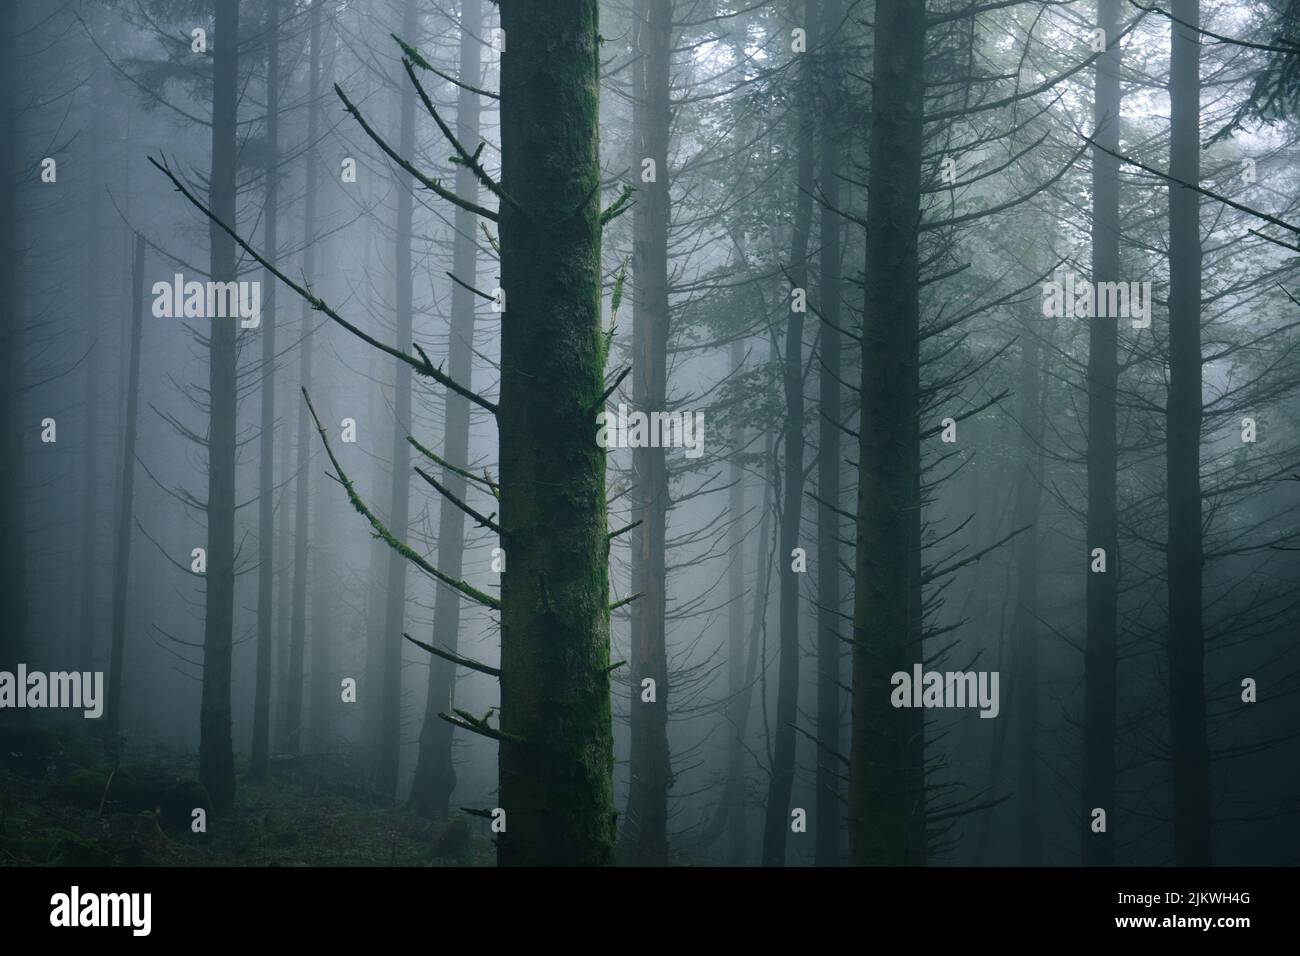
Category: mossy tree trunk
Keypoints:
(556, 755)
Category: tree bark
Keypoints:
(556, 755)
(777, 820)
(1186, 647)
(323, 683)
(738, 691)
(370, 696)
(435, 775)
(13, 453)
(1024, 622)
(881, 784)
(126, 501)
(1102, 591)
(261, 749)
(292, 740)
(216, 753)
(829, 532)
(390, 725)
(284, 571)
(645, 827)
(86, 628)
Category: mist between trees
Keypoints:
(358, 358)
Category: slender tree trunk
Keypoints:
(880, 811)
(259, 762)
(734, 795)
(142, 606)
(742, 653)
(917, 794)
(292, 740)
(1188, 743)
(13, 453)
(371, 697)
(645, 828)
(1024, 626)
(435, 775)
(1102, 591)
(390, 731)
(86, 629)
(557, 751)
(324, 685)
(284, 572)
(126, 502)
(777, 820)
(216, 753)
(829, 531)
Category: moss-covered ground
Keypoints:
(59, 807)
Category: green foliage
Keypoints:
(38, 752)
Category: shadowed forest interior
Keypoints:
(650, 432)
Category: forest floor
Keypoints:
(64, 801)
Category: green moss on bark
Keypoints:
(557, 782)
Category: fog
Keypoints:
(906, 534)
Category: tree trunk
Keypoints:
(390, 729)
(284, 571)
(372, 665)
(370, 696)
(645, 829)
(829, 531)
(777, 821)
(324, 685)
(86, 628)
(738, 691)
(556, 755)
(261, 749)
(13, 453)
(435, 775)
(1102, 592)
(292, 739)
(1024, 622)
(216, 754)
(1186, 648)
(126, 502)
(880, 786)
